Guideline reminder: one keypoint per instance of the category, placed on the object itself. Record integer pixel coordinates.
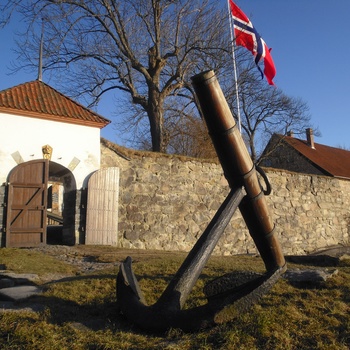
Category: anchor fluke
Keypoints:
(222, 307)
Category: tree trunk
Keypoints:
(155, 115)
(252, 148)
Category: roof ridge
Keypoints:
(16, 86)
(70, 99)
(316, 143)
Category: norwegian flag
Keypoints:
(247, 36)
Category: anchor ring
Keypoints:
(262, 173)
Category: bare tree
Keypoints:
(190, 137)
(147, 49)
(265, 110)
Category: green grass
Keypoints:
(80, 311)
(28, 261)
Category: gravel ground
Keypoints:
(83, 259)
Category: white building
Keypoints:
(49, 146)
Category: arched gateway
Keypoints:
(40, 194)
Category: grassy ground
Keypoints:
(79, 312)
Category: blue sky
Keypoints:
(310, 47)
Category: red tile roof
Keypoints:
(334, 161)
(39, 100)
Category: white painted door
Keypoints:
(102, 207)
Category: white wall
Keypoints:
(27, 135)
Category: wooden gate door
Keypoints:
(26, 204)
(102, 207)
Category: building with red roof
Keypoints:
(306, 156)
(49, 148)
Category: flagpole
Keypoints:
(234, 67)
(40, 68)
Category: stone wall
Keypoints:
(310, 211)
(166, 203)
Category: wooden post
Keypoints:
(238, 166)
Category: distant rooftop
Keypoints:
(333, 161)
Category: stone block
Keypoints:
(6, 283)
(19, 292)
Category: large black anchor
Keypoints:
(227, 296)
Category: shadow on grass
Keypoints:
(58, 306)
(313, 260)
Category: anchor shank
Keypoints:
(176, 293)
(238, 166)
